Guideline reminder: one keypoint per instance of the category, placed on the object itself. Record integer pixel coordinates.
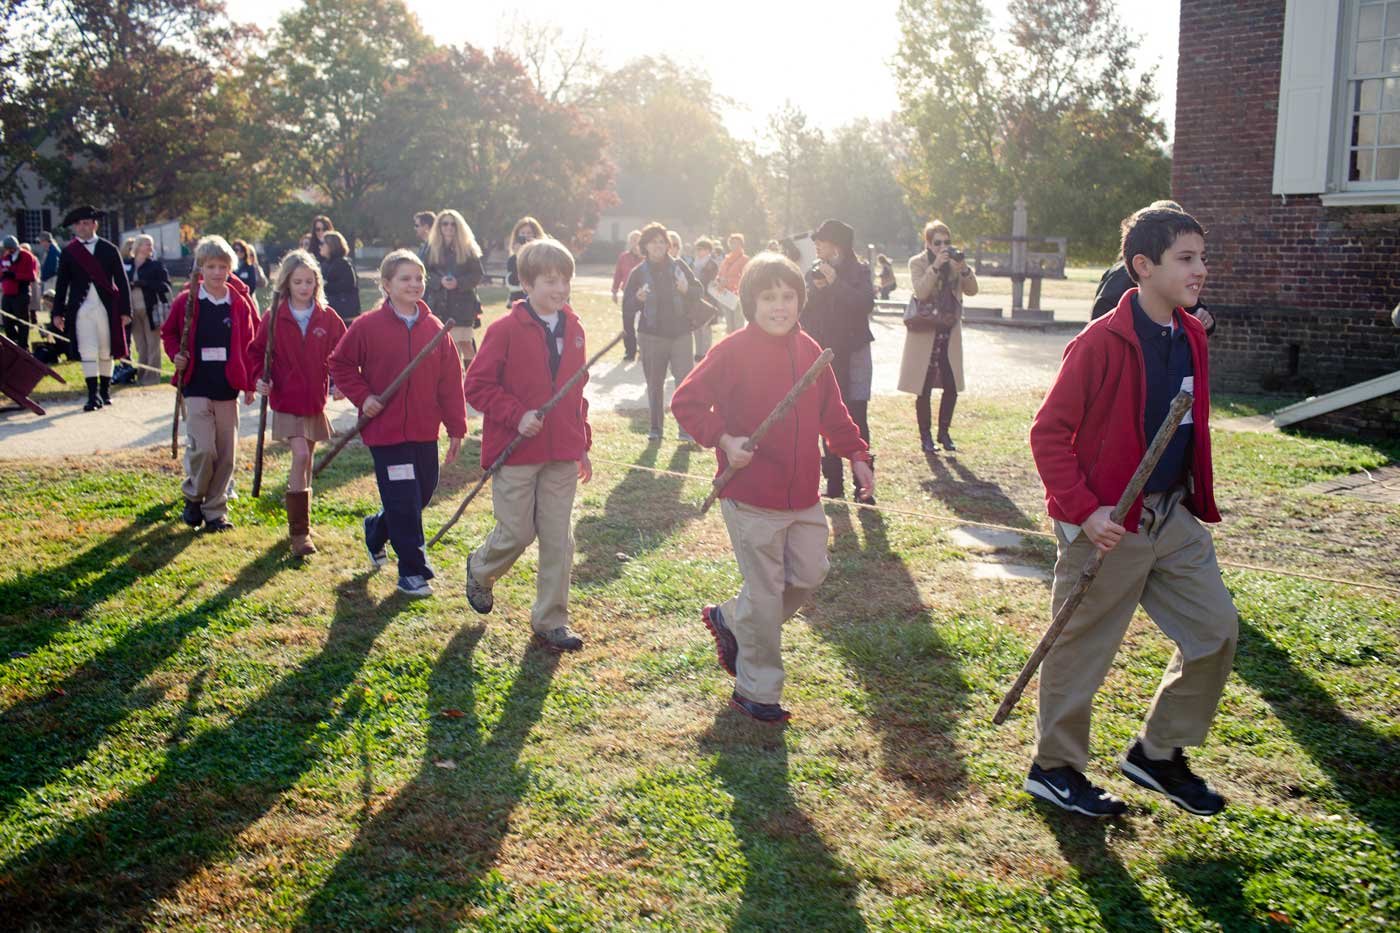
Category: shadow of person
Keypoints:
(112, 868)
(790, 872)
(1083, 843)
(433, 845)
(870, 609)
(641, 512)
(1362, 762)
(1215, 887)
(969, 496)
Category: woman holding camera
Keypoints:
(933, 340)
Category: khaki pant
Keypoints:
(94, 330)
(1169, 568)
(782, 555)
(211, 443)
(533, 501)
(148, 349)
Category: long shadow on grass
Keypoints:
(1364, 764)
(45, 735)
(793, 879)
(36, 606)
(422, 860)
(111, 868)
(641, 512)
(870, 609)
(1215, 887)
(969, 496)
(1104, 878)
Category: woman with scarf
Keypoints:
(933, 341)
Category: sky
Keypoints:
(832, 61)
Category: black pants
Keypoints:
(629, 332)
(18, 306)
(833, 467)
(923, 405)
(404, 496)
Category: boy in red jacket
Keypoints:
(775, 519)
(402, 434)
(306, 333)
(523, 358)
(211, 369)
(1111, 395)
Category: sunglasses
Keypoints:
(941, 242)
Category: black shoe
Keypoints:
(191, 515)
(864, 500)
(926, 442)
(1173, 778)
(478, 596)
(93, 401)
(834, 490)
(947, 442)
(377, 558)
(726, 645)
(104, 390)
(562, 638)
(629, 357)
(1069, 790)
(216, 525)
(763, 712)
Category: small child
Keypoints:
(307, 332)
(402, 434)
(524, 358)
(212, 367)
(775, 519)
(1111, 395)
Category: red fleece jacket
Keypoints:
(376, 348)
(1088, 437)
(740, 381)
(19, 268)
(245, 323)
(300, 364)
(510, 376)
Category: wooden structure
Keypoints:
(20, 372)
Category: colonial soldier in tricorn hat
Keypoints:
(92, 302)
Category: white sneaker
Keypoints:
(416, 587)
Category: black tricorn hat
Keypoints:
(834, 231)
(86, 212)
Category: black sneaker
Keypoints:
(726, 645)
(562, 638)
(216, 525)
(192, 515)
(770, 713)
(1173, 778)
(377, 558)
(478, 596)
(1069, 790)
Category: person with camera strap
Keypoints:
(933, 338)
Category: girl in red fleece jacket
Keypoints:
(306, 333)
(775, 519)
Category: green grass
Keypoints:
(199, 732)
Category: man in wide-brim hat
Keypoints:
(92, 302)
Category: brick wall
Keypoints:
(1373, 420)
(1303, 292)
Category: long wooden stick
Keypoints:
(384, 397)
(776, 415)
(1180, 405)
(191, 298)
(262, 409)
(500, 461)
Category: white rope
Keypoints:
(48, 333)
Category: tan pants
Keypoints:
(147, 345)
(533, 501)
(94, 330)
(1169, 568)
(211, 443)
(783, 557)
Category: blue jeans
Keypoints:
(404, 495)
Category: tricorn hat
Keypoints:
(86, 212)
(834, 231)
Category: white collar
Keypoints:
(205, 296)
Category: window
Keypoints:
(31, 223)
(1372, 56)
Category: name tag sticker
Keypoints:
(400, 471)
(1188, 384)
(214, 354)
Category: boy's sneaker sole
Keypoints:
(378, 558)
(479, 597)
(1047, 793)
(726, 645)
(1141, 777)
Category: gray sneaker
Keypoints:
(415, 586)
(561, 639)
(478, 596)
(377, 558)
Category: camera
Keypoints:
(955, 254)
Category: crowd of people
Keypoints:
(1112, 392)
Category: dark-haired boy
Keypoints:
(775, 519)
(1112, 392)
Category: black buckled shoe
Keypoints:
(1069, 790)
(191, 515)
(770, 713)
(726, 645)
(1172, 778)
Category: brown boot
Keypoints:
(299, 523)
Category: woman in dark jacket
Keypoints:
(454, 272)
(320, 226)
(249, 272)
(662, 290)
(525, 230)
(840, 300)
(150, 294)
(342, 284)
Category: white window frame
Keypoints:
(1341, 190)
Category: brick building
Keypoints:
(1288, 151)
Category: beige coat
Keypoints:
(918, 345)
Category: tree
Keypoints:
(794, 164)
(1053, 116)
(739, 205)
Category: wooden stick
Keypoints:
(1180, 405)
(262, 409)
(500, 461)
(384, 397)
(776, 415)
(191, 297)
